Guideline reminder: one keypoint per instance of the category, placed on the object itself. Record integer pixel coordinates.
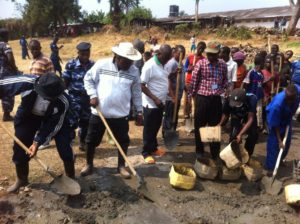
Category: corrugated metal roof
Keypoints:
(239, 14)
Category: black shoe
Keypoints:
(7, 117)
(22, 171)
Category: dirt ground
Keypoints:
(108, 199)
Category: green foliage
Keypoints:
(94, 17)
(135, 13)
(240, 33)
(182, 28)
(293, 45)
(39, 14)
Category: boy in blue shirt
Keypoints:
(253, 83)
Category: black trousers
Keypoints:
(25, 130)
(208, 111)
(96, 130)
(168, 115)
(252, 133)
(152, 122)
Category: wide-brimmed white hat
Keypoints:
(126, 50)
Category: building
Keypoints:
(263, 17)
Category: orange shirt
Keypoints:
(190, 62)
(240, 75)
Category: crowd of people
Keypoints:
(214, 83)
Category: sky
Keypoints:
(160, 8)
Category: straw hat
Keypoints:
(126, 50)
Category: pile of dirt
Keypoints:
(154, 31)
(109, 29)
(251, 51)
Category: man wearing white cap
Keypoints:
(111, 83)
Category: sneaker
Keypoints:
(44, 146)
(149, 160)
(159, 152)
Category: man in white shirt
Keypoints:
(111, 84)
(155, 85)
(231, 66)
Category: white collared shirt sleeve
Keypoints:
(91, 80)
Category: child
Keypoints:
(239, 58)
(269, 80)
(193, 43)
(253, 83)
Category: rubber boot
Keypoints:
(70, 169)
(22, 171)
(7, 117)
(89, 167)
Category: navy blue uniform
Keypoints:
(239, 116)
(6, 70)
(55, 57)
(73, 75)
(24, 45)
(56, 122)
(14, 85)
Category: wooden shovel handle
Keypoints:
(24, 147)
(117, 143)
(177, 87)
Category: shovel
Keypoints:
(142, 185)
(61, 183)
(271, 185)
(171, 136)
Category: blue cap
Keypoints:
(83, 46)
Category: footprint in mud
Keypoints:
(6, 208)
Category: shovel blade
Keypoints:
(272, 188)
(65, 185)
(171, 139)
(143, 189)
(189, 125)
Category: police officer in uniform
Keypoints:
(56, 60)
(41, 116)
(73, 76)
(7, 68)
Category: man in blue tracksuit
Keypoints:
(24, 46)
(42, 115)
(14, 85)
(7, 68)
(73, 76)
(279, 115)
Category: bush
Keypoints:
(182, 28)
(240, 33)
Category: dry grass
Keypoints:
(102, 43)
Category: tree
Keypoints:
(196, 10)
(116, 7)
(182, 13)
(295, 16)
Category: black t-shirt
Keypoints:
(242, 111)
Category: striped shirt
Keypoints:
(208, 79)
(41, 66)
